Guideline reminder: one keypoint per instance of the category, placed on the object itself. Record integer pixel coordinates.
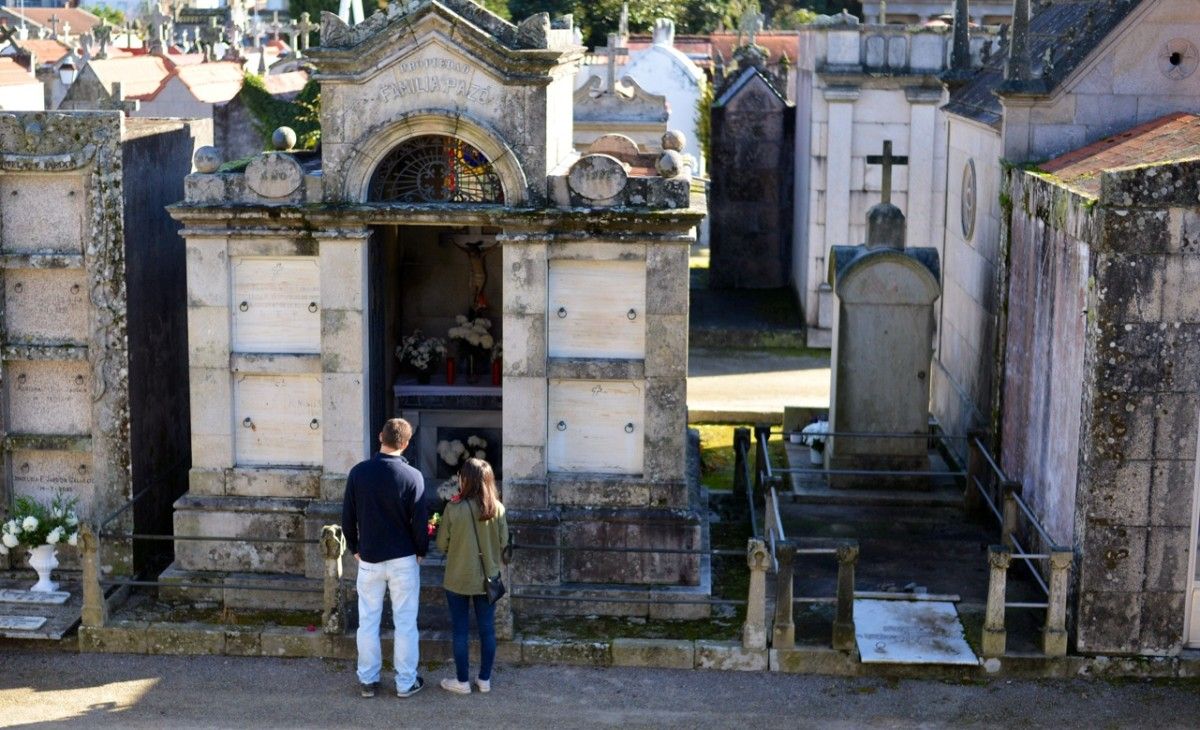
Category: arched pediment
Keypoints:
(887, 276)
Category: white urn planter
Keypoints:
(43, 560)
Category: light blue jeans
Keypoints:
(402, 579)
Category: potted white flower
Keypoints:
(40, 529)
(421, 354)
(454, 454)
(474, 340)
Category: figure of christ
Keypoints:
(477, 254)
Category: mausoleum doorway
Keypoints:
(436, 338)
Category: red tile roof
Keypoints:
(46, 51)
(139, 75)
(1173, 137)
(211, 83)
(14, 74)
(285, 83)
(777, 43)
(80, 20)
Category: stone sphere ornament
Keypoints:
(673, 139)
(207, 159)
(670, 164)
(283, 139)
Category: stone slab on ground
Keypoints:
(50, 598)
(810, 488)
(671, 653)
(21, 623)
(60, 618)
(910, 632)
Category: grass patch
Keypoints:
(716, 455)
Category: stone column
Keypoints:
(666, 361)
(1054, 634)
(209, 345)
(839, 152)
(754, 630)
(843, 623)
(346, 435)
(95, 610)
(783, 635)
(922, 131)
(994, 635)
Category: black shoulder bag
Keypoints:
(493, 587)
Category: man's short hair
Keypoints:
(396, 433)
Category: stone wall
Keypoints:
(1133, 513)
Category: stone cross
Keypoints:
(623, 23)
(7, 33)
(103, 35)
(158, 23)
(53, 20)
(275, 27)
(751, 24)
(293, 31)
(210, 35)
(128, 35)
(306, 26)
(66, 31)
(612, 51)
(887, 159)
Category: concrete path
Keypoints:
(66, 690)
(734, 385)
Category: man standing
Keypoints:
(384, 520)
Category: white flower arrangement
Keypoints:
(454, 454)
(34, 524)
(474, 332)
(419, 352)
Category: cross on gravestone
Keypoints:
(7, 34)
(887, 159)
(158, 23)
(293, 31)
(128, 36)
(750, 24)
(275, 27)
(54, 20)
(306, 27)
(613, 50)
(66, 31)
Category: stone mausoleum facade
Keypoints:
(446, 185)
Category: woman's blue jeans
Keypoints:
(485, 620)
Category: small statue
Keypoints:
(477, 254)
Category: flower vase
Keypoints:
(496, 371)
(43, 560)
(472, 373)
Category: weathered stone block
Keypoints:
(525, 426)
(343, 264)
(587, 491)
(190, 639)
(1108, 622)
(1171, 490)
(211, 392)
(1133, 286)
(532, 566)
(51, 397)
(43, 212)
(1167, 550)
(243, 642)
(1118, 493)
(342, 340)
(666, 407)
(546, 651)
(46, 305)
(1175, 425)
(208, 273)
(524, 345)
(1162, 623)
(729, 656)
(273, 483)
(525, 278)
(1133, 230)
(121, 637)
(333, 486)
(1178, 304)
(667, 279)
(242, 520)
(678, 606)
(814, 660)
(666, 460)
(1130, 358)
(209, 482)
(1181, 358)
(665, 493)
(524, 463)
(1117, 558)
(208, 337)
(212, 452)
(666, 346)
(1123, 428)
(342, 409)
(1185, 224)
(289, 642)
(658, 653)
(341, 456)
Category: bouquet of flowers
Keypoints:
(474, 332)
(454, 453)
(33, 524)
(419, 352)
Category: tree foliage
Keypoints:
(114, 16)
(302, 114)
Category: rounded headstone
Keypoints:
(597, 177)
(673, 139)
(885, 227)
(670, 164)
(283, 138)
(207, 159)
(274, 175)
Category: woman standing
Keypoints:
(472, 534)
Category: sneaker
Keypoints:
(484, 685)
(415, 688)
(368, 690)
(455, 686)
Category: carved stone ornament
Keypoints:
(968, 200)
(1178, 58)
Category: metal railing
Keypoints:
(988, 485)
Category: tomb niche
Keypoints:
(882, 349)
(447, 186)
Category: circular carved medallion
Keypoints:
(274, 175)
(968, 195)
(1178, 59)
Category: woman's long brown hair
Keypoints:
(478, 482)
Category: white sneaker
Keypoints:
(457, 687)
(484, 685)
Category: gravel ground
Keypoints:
(67, 690)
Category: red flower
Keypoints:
(456, 498)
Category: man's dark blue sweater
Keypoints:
(383, 513)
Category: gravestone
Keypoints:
(882, 348)
(93, 329)
(753, 128)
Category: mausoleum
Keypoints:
(446, 201)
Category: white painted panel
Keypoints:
(276, 304)
(596, 426)
(277, 420)
(42, 213)
(46, 305)
(51, 397)
(590, 306)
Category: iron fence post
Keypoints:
(762, 434)
(741, 451)
(754, 630)
(1010, 512)
(95, 610)
(977, 470)
(994, 636)
(333, 547)
(1054, 633)
(843, 624)
(783, 635)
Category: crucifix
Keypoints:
(476, 247)
(887, 159)
(613, 50)
(53, 20)
(306, 26)
(751, 24)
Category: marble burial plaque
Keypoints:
(41, 474)
(597, 309)
(21, 623)
(42, 213)
(49, 397)
(274, 175)
(46, 305)
(277, 420)
(276, 305)
(53, 598)
(597, 177)
(910, 632)
(596, 426)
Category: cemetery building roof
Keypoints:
(139, 76)
(1169, 138)
(284, 84)
(45, 50)
(698, 48)
(1069, 30)
(211, 83)
(80, 20)
(14, 74)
